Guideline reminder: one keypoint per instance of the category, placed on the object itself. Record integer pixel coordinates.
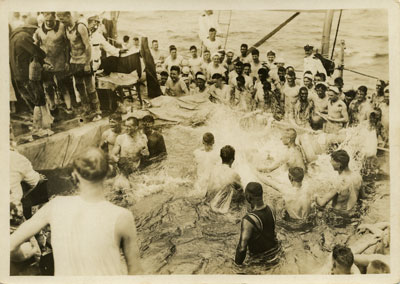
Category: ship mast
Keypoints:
(326, 33)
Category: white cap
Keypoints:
(201, 76)
(185, 70)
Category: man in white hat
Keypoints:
(311, 63)
(337, 115)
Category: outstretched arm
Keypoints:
(245, 234)
(322, 201)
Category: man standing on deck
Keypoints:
(52, 39)
(255, 63)
(337, 112)
(212, 43)
(80, 63)
(311, 63)
(257, 231)
(207, 20)
(229, 65)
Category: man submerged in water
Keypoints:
(257, 232)
(345, 196)
(297, 198)
(155, 140)
(292, 158)
(110, 135)
(341, 261)
(225, 188)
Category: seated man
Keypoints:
(110, 135)
(341, 262)
(155, 140)
(345, 196)
(224, 189)
(292, 158)
(257, 229)
(175, 86)
(297, 199)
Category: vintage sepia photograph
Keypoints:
(199, 142)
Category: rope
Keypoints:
(337, 31)
(227, 31)
(362, 74)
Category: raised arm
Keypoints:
(126, 232)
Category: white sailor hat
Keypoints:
(334, 89)
(279, 60)
(308, 75)
(229, 51)
(201, 76)
(215, 54)
(185, 70)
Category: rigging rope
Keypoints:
(337, 31)
(362, 74)
(227, 31)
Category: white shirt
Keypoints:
(212, 46)
(205, 23)
(98, 42)
(314, 65)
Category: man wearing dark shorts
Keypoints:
(258, 229)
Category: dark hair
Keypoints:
(343, 256)
(247, 64)
(176, 68)
(148, 118)
(302, 89)
(316, 125)
(254, 189)
(193, 47)
(206, 51)
(154, 40)
(125, 38)
(380, 266)
(363, 89)
(350, 93)
(172, 47)
(255, 52)
(116, 116)
(198, 73)
(263, 71)
(338, 80)
(216, 76)
(307, 72)
(240, 78)
(244, 45)
(282, 69)
(212, 30)
(267, 86)
(271, 53)
(208, 138)
(135, 38)
(291, 74)
(321, 85)
(227, 154)
(92, 164)
(164, 73)
(64, 13)
(322, 76)
(342, 157)
(134, 120)
(239, 63)
(296, 173)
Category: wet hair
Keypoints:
(92, 164)
(125, 38)
(164, 73)
(212, 30)
(343, 256)
(322, 76)
(282, 69)
(263, 71)
(208, 138)
(134, 120)
(206, 51)
(244, 45)
(338, 81)
(322, 86)
(148, 118)
(316, 125)
(291, 73)
(135, 38)
(255, 52)
(296, 173)
(307, 72)
(172, 47)
(302, 89)
(216, 76)
(380, 266)
(271, 53)
(254, 189)
(240, 78)
(192, 47)
(116, 116)
(239, 63)
(227, 154)
(176, 68)
(53, 14)
(154, 40)
(64, 14)
(363, 89)
(342, 157)
(351, 94)
(246, 65)
(198, 73)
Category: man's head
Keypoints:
(256, 55)
(93, 22)
(208, 141)
(340, 160)
(289, 136)
(200, 80)
(289, 68)
(49, 19)
(377, 267)
(212, 33)
(193, 51)
(349, 95)
(339, 83)
(246, 68)
(271, 56)
(281, 73)
(303, 94)
(154, 44)
(333, 94)
(319, 77)
(172, 51)
(65, 18)
(115, 120)
(229, 56)
(227, 155)
(296, 175)
(136, 41)
(253, 193)
(290, 77)
(164, 77)
(126, 38)
(361, 93)
(308, 80)
(221, 53)
(386, 95)
(239, 67)
(308, 50)
(262, 74)
(206, 55)
(131, 125)
(320, 88)
(342, 260)
(243, 49)
(240, 81)
(215, 58)
(147, 123)
(217, 78)
(174, 73)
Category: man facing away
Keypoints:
(80, 63)
(257, 233)
(341, 261)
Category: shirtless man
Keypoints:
(360, 108)
(345, 196)
(297, 199)
(219, 92)
(214, 67)
(302, 109)
(341, 261)
(155, 140)
(175, 86)
(173, 58)
(320, 104)
(337, 112)
(290, 94)
(130, 147)
(194, 61)
(292, 158)
(110, 135)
